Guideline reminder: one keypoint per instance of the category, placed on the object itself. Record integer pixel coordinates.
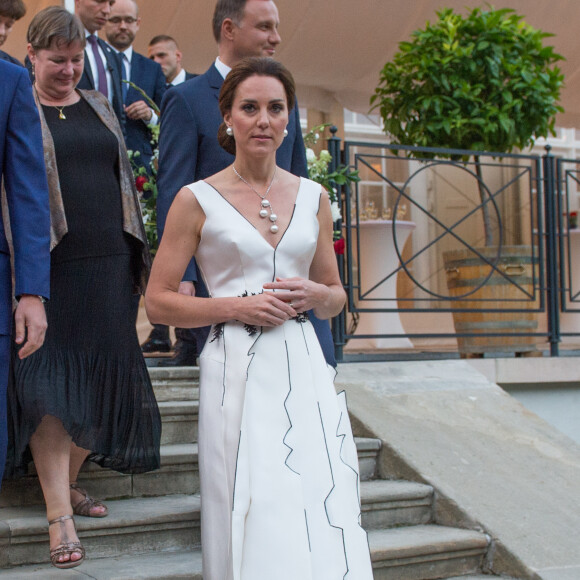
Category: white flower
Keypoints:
(335, 210)
(310, 155)
(325, 156)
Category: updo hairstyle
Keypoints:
(54, 27)
(246, 68)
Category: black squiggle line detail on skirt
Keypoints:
(218, 331)
(225, 367)
(236, 476)
(330, 493)
(307, 531)
(305, 341)
(287, 413)
(342, 436)
(252, 355)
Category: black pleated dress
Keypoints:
(90, 372)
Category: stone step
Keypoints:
(426, 552)
(368, 455)
(383, 503)
(179, 474)
(386, 504)
(175, 384)
(133, 526)
(415, 553)
(179, 421)
(481, 577)
(154, 566)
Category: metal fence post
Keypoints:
(338, 322)
(551, 230)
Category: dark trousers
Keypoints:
(4, 366)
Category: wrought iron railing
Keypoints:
(450, 250)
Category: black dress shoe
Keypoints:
(185, 355)
(156, 345)
(158, 340)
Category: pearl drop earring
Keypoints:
(285, 132)
(230, 131)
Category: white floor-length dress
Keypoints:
(278, 463)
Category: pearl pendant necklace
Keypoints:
(266, 210)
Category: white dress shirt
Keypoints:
(223, 68)
(127, 57)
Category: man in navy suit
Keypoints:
(99, 56)
(10, 12)
(121, 28)
(163, 50)
(188, 146)
(23, 173)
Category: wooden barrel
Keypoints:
(469, 280)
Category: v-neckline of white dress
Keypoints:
(254, 228)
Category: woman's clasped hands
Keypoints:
(281, 301)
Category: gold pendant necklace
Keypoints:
(61, 115)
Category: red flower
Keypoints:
(140, 181)
(339, 246)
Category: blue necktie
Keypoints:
(102, 86)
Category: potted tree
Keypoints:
(480, 82)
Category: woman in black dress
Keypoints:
(86, 393)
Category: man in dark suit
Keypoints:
(163, 50)
(10, 12)
(23, 173)
(102, 66)
(121, 28)
(188, 146)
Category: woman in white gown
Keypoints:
(278, 463)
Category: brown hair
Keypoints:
(14, 9)
(232, 9)
(246, 68)
(163, 38)
(55, 25)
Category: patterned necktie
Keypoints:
(101, 74)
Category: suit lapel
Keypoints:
(135, 68)
(87, 72)
(113, 65)
(215, 80)
(136, 76)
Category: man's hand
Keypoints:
(30, 324)
(139, 110)
(186, 288)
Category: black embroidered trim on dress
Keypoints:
(218, 331)
(251, 329)
(301, 317)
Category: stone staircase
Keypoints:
(153, 530)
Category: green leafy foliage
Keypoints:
(318, 171)
(483, 82)
(318, 165)
(146, 184)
